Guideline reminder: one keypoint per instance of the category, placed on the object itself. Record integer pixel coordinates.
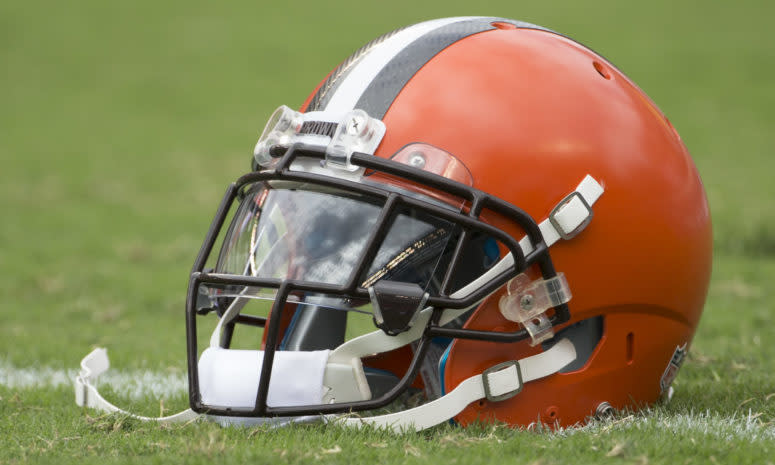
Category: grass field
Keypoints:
(121, 124)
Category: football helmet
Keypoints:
(477, 216)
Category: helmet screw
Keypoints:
(526, 302)
(417, 160)
(357, 125)
(604, 410)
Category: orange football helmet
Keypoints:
(522, 224)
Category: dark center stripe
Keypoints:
(381, 92)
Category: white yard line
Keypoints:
(142, 384)
(744, 426)
(135, 384)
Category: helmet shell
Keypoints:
(530, 113)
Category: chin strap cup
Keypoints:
(229, 377)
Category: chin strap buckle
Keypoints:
(502, 381)
(571, 215)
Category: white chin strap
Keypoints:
(86, 394)
(228, 378)
(239, 389)
(497, 383)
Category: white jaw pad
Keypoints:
(229, 378)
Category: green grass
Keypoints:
(68, 435)
(121, 124)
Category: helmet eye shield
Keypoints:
(319, 235)
(263, 255)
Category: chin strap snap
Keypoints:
(496, 383)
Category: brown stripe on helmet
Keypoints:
(381, 92)
(326, 90)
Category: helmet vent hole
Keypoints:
(630, 348)
(601, 70)
(502, 25)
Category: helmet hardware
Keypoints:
(396, 305)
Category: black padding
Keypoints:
(380, 382)
(316, 328)
(584, 335)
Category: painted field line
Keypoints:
(133, 384)
(745, 426)
(146, 384)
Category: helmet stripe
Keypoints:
(365, 65)
(372, 78)
(327, 89)
(381, 92)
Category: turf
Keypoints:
(122, 122)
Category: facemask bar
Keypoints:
(470, 223)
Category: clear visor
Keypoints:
(318, 235)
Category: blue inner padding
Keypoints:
(443, 366)
(491, 252)
(378, 371)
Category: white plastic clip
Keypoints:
(526, 302)
(282, 126)
(358, 132)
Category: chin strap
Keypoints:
(86, 394)
(570, 216)
(495, 384)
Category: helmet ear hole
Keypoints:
(585, 336)
(630, 348)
